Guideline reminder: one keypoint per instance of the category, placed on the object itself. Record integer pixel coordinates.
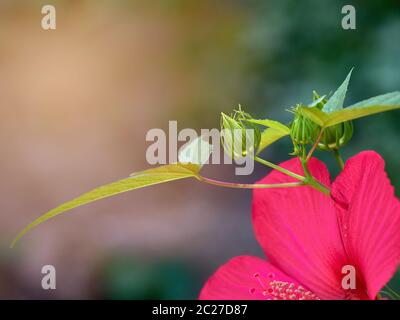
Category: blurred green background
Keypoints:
(76, 104)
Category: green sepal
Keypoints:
(381, 103)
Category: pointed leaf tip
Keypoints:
(135, 181)
(336, 102)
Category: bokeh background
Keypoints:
(76, 104)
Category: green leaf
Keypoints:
(269, 136)
(387, 99)
(135, 181)
(385, 102)
(315, 115)
(275, 131)
(336, 102)
(271, 124)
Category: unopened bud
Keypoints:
(336, 136)
(303, 131)
(238, 136)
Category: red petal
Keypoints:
(251, 278)
(299, 232)
(369, 214)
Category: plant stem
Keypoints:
(278, 168)
(310, 180)
(249, 186)
(315, 144)
(313, 182)
(307, 180)
(338, 158)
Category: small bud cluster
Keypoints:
(306, 132)
(239, 137)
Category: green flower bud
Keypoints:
(239, 137)
(303, 131)
(336, 136)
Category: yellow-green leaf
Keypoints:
(271, 124)
(274, 132)
(269, 136)
(385, 102)
(135, 181)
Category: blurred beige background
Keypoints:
(76, 104)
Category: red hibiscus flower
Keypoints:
(309, 237)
